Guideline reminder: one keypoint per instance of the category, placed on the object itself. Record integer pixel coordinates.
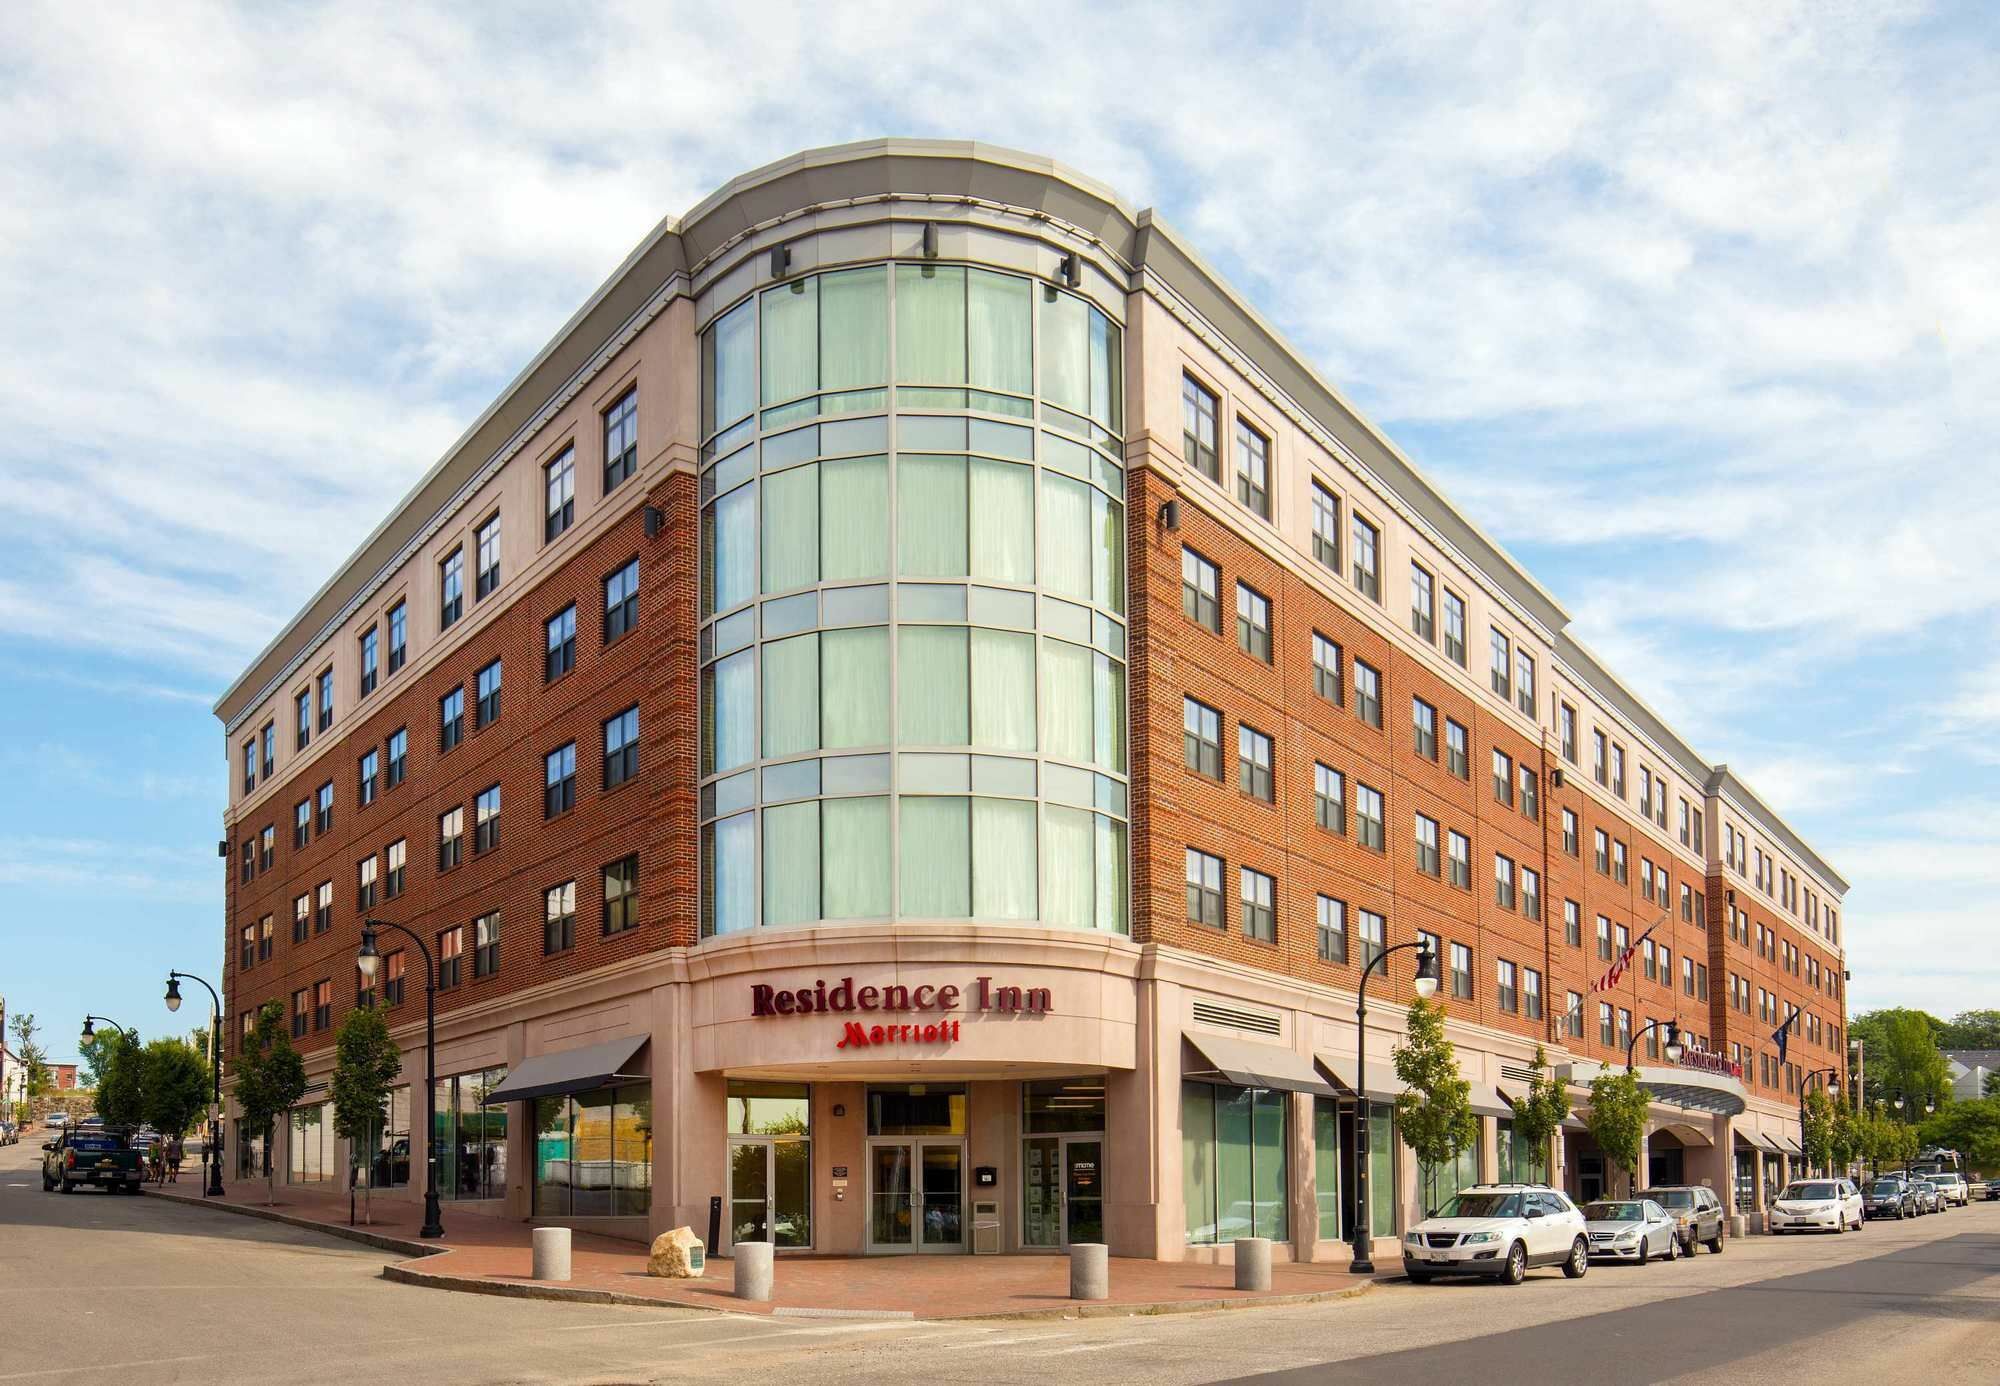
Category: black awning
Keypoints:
(572, 1070)
(1248, 1064)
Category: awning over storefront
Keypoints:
(1248, 1064)
(1791, 1146)
(1757, 1140)
(1491, 1102)
(1383, 1084)
(572, 1070)
(1686, 1134)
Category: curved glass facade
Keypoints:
(912, 602)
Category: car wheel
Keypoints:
(1645, 1250)
(1715, 1243)
(1579, 1259)
(1517, 1265)
(68, 1187)
(1674, 1247)
(48, 1184)
(1419, 1277)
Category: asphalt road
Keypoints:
(153, 1292)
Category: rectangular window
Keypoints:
(1603, 938)
(1531, 993)
(1646, 878)
(1458, 852)
(1454, 627)
(249, 765)
(1461, 972)
(394, 970)
(621, 440)
(323, 907)
(367, 775)
(1606, 1034)
(397, 855)
(1569, 842)
(1429, 859)
(1326, 528)
(301, 918)
(1624, 1027)
(369, 669)
(1457, 750)
(1253, 622)
(451, 838)
(1368, 694)
(451, 588)
(249, 860)
(1599, 758)
(365, 881)
(1524, 682)
(1424, 728)
(324, 819)
(1573, 1014)
(1502, 661)
(1204, 888)
(486, 944)
(1572, 924)
(1234, 1162)
(246, 955)
(561, 656)
(1423, 603)
(1686, 840)
(1503, 881)
(559, 917)
(1253, 763)
(1618, 770)
(621, 601)
(1601, 851)
(1201, 591)
(399, 636)
(621, 747)
(265, 930)
(486, 555)
(1253, 470)
(301, 1011)
(1367, 560)
(1327, 681)
(303, 705)
(1566, 728)
(486, 820)
(1332, 915)
(1509, 989)
(326, 699)
(559, 494)
(451, 956)
(399, 757)
(1329, 799)
(1260, 918)
(1531, 893)
(621, 895)
(1368, 817)
(267, 848)
(1531, 794)
(1201, 738)
(1503, 778)
(1618, 862)
(451, 718)
(486, 687)
(1198, 411)
(1371, 927)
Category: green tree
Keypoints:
(1970, 1128)
(1989, 1086)
(1617, 1120)
(270, 1077)
(1901, 1055)
(1971, 1030)
(1434, 1111)
(1843, 1141)
(1816, 1134)
(121, 1093)
(92, 1056)
(34, 1059)
(366, 1062)
(177, 1086)
(1539, 1115)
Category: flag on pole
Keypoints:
(1624, 959)
(1779, 1035)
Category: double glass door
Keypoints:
(1063, 1195)
(770, 1191)
(916, 1195)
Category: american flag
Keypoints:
(1624, 959)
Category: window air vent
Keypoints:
(1518, 1073)
(1233, 1018)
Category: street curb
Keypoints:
(331, 1229)
(1159, 1308)
(528, 1289)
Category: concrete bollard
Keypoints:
(551, 1253)
(753, 1269)
(1253, 1263)
(1089, 1270)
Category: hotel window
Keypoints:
(249, 765)
(1618, 862)
(302, 704)
(1454, 627)
(486, 944)
(325, 699)
(1371, 927)
(559, 494)
(1424, 728)
(561, 656)
(621, 601)
(1687, 974)
(399, 757)
(1646, 878)
(1606, 1035)
(1458, 851)
(399, 635)
(486, 820)
(323, 907)
(1253, 763)
(1368, 817)
(621, 747)
(1423, 603)
(1601, 851)
(1509, 991)
(1367, 560)
(1621, 937)
(451, 718)
(1645, 791)
(559, 917)
(1201, 591)
(324, 819)
(369, 671)
(486, 554)
(1524, 682)
(1326, 670)
(398, 855)
(367, 777)
(451, 838)
(1666, 967)
(451, 956)
(1253, 622)
(1198, 410)
(621, 895)
(267, 848)
(1332, 916)
(1329, 799)
(559, 780)
(246, 956)
(394, 971)
(1531, 893)
(1618, 771)
(1503, 778)
(1569, 842)
(301, 918)
(486, 686)
(1234, 1162)
(301, 1010)
(1572, 924)
(249, 860)
(1201, 738)
(1599, 762)
(451, 588)
(621, 440)
(1368, 694)
(1651, 959)
(1457, 750)
(1531, 797)
(365, 882)
(1326, 528)
(1503, 881)
(1566, 727)
(1204, 888)
(1603, 938)
(1461, 972)
(1428, 860)
(1502, 659)
(264, 938)
(1260, 920)
(1624, 1027)
(1573, 1014)
(1253, 469)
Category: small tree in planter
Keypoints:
(1434, 1111)
(1539, 1115)
(1617, 1122)
(366, 1061)
(270, 1077)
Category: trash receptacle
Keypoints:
(986, 1228)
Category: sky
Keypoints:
(1695, 307)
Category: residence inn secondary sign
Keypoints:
(932, 1005)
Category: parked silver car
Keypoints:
(1630, 1229)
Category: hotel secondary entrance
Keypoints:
(916, 1195)
(1063, 1193)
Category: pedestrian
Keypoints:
(157, 1154)
(175, 1152)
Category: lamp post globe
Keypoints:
(1427, 973)
(173, 993)
(1674, 1047)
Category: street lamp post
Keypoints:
(1805, 1081)
(370, 961)
(90, 1029)
(1426, 985)
(211, 1153)
(1673, 1049)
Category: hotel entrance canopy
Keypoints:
(1691, 1089)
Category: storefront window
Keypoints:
(1443, 1180)
(594, 1153)
(249, 1152)
(923, 1109)
(470, 1138)
(1517, 1159)
(769, 1109)
(1382, 1144)
(770, 1163)
(1326, 1166)
(1054, 1106)
(1233, 1162)
(310, 1158)
(387, 1155)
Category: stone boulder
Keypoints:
(676, 1255)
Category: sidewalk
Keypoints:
(488, 1255)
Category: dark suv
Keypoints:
(1696, 1211)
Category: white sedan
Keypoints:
(1630, 1229)
(1817, 1205)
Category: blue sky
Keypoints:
(1695, 307)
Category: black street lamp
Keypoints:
(1673, 1048)
(90, 1030)
(1426, 985)
(1805, 1081)
(211, 1152)
(370, 961)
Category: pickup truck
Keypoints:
(96, 1157)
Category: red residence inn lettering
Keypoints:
(1711, 1063)
(845, 998)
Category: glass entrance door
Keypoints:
(770, 1191)
(916, 1195)
(943, 1196)
(749, 1191)
(891, 1199)
(1062, 1195)
(1083, 1188)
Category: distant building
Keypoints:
(1968, 1069)
(63, 1076)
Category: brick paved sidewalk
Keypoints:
(491, 1255)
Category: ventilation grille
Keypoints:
(1234, 1018)
(1517, 1073)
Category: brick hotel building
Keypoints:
(908, 718)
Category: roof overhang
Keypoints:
(1245, 1063)
(571, 1070)
(1687, 1088)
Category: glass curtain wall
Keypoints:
(385, 1160)
(912, 588)
(311, 1160)
(471, 1137)
(1518, 1159)
(1443, 1180)
(594, 1153)
(1233, 1162)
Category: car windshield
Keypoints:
(1672, 1198)
(1886, 1186)
(1612, 1212)
(1810, 1193)
(1481, 1205)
